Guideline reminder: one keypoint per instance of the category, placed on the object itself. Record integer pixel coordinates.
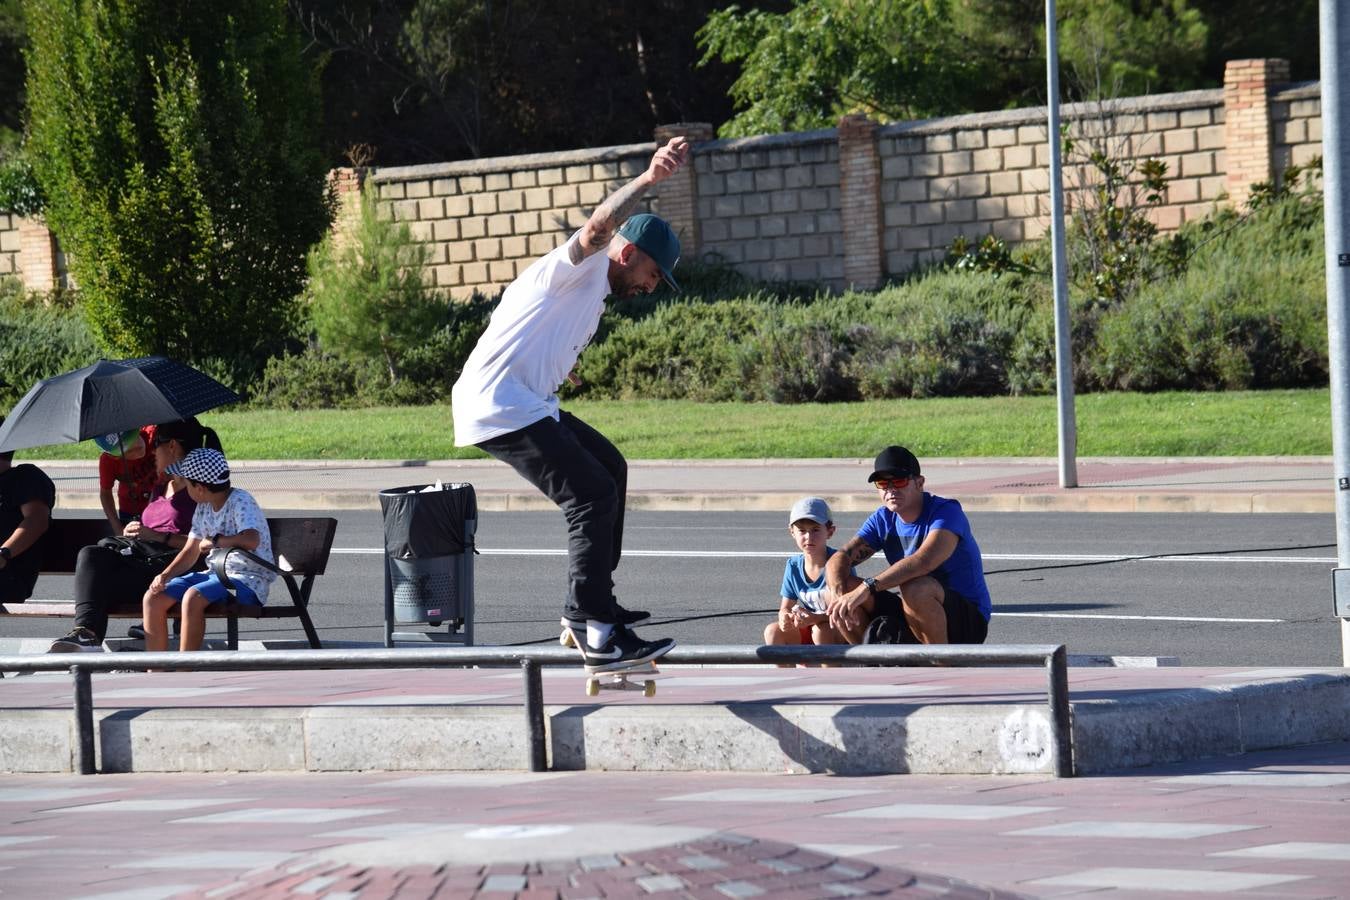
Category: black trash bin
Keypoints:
(428, 561)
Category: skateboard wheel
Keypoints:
(566, 639)
(649, 689)
(592, 687)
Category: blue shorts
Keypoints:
(209, 586)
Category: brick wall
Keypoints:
(842, 206)
(488, 219)
(1296, 114)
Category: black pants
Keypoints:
(580, 470)
(105, 578)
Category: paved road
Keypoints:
(1225, 590)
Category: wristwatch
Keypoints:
(6, 554)
(871, 584)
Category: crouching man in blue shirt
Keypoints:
(932, 590)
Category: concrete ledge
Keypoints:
(940, 722)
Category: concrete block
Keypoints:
(1020, 157)
(497, 226)
(1005, 183)
(501, 271)
(550, 177)
(990, 160)
(457, 206)
(1303, 709)
(591, 194)
(607, 171)
(525, 222)
(475, 273)
(537, 198)
(411, 738)
(895, 167)
(939, 143)
(725, 207)
(827, 174)
(470, 184)
(540, 244)
(768, 179)
(524, 179)
(448, 276)
(420, 231)
(741, 181)
(1150, 728)
(460, 252)
(483, 204)
(510, 201)
(38, 740)
(991, 208)
(925, 165)
(715, 230)
(970, 140)
(487, 248)
(815, 199)
(1196, 164)
(1195, 118)
(515, 247)
(742, 228)
(472, 227)
(565, 196)
(957, 162)
(1001, 137)
(193, 740)
(784, 202)
(404, 210)
(773, 226)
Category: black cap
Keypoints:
(894, 461)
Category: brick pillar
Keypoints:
(677, 196)
(1249, 151)
(860, 201)
(346, 184)
(38, 267)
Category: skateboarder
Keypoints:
(933, 563)
(505, 401)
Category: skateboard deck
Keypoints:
(637, 677)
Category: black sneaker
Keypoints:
(136, 631)
(623, 650)
(79, 639)
(625, 617)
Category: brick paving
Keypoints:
(1266, 825)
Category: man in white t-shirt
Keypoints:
(505, 401)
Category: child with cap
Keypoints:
(126, 461)
(803, 616)
(226, 518)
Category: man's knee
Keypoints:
(922, 594)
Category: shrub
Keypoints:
(366, 296)
(39, 337)
(315, 380)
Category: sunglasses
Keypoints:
(892, 484)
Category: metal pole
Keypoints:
(534, 716)
(1057, 670)
(1334, 28)
(1068, 429)
(84, 718)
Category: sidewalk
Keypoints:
(1271, 826)
(1216, 484)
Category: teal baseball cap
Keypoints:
(655, 238)
(115, 442)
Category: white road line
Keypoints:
(998, 557)
(1036, 615)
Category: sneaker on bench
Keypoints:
(79, 639)
(136, 631)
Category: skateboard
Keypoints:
(628, 678)
(634, 678)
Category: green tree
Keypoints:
(175, 142)
(13, 39)
(804, 68)
(904, 59)
(366, 296)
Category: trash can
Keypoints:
(428, 561)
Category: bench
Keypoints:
(300, 545)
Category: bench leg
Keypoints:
(309, 628)
(232, 632)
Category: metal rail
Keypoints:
(531, 659)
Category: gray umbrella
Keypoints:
(107, 397)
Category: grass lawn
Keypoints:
(1236, 423)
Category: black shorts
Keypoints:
(965, 625)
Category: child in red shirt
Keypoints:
(127, 462)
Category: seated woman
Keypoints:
(106, 577)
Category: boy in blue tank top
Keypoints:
(803, 615)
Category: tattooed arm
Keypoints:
(618, 206)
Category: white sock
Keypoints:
(597, 633)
